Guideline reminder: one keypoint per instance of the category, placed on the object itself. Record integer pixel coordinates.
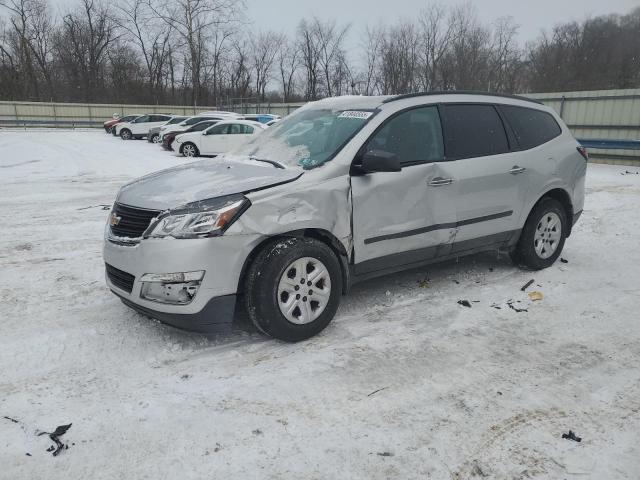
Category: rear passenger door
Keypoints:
(488, 186)
(534, 131)
(239, 134)
(403, 218)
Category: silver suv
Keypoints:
(343, 190)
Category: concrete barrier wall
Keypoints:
(592, 115)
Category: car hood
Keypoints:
(202, 180)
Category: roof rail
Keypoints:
(459, 92)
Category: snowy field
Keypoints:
(405, 383)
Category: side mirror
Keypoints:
(380, 161)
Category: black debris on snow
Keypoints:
(571, 436)
(55, 436)
(527, 285)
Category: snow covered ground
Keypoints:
(405, 383)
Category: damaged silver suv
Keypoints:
(343, 190)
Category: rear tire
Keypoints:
(189, 150)
(293, 288)
(125, 134)
(543, 236)
(155, 138)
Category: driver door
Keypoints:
(406, 217)
(214, 140)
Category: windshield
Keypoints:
(175, 120)
(308, 138)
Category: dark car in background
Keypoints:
(154, 133)
(168, 138)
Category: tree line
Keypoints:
(205, 52)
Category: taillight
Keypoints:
(583, 151)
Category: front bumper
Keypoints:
(216, 316)
(221, 258)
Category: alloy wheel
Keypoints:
(548, 235)
(304, 290)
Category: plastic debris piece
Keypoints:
(464, 303)
(535, 296)
(527, 285)
(385, 454)
(58, 432)
(564, 260)
(571, 436)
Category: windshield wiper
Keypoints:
(271, 162)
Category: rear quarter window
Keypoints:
(531, 127)
(473, 130)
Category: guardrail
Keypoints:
(604, 144)
(51, 123)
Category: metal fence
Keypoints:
(607, 121)
(28, 114)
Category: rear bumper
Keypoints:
(216, 316)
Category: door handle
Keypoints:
(515, 170)
(440, 182)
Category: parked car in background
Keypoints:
(139, 127)
(220, 112)
(221, 138)
(261, 117)
(380, 184)
(191, 121)
(168, 138)
(154, 133)
(109, 124)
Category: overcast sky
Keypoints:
(531, 15)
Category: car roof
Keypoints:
(250, 123)
(377, 101)
(460, 92)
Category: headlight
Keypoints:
(208, 218)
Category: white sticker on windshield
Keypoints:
(355, 114)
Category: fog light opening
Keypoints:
(171, 288)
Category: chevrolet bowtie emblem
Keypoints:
(114, 220)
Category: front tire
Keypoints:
(293, 288)
(189, 150)
(125, 134)
(543, 236)
(155, 138)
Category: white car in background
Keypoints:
(191, 121)
(219, 139)
(139, 128)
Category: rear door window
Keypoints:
(531, 127)
(219, 130)
(473, 131)
(414, 136)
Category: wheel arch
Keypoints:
(562, 196)
(319, 234)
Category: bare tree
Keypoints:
(264, 48)
(83, 43)
(436, 30)
(196, 21)
(288, 65)
(152, 38)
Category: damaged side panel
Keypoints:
(325, 205)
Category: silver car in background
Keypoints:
(340, 191)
